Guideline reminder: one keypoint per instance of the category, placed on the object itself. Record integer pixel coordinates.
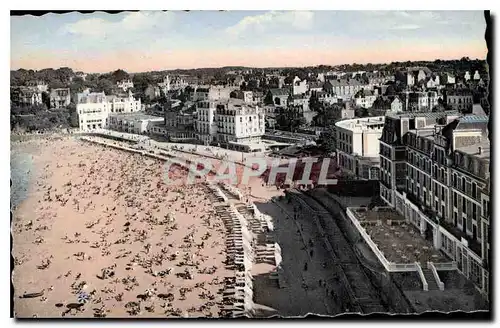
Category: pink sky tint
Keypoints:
(140, 61)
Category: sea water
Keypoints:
(21, 164)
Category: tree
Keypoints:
(361, 112)
(73, 115)
(106, 85)
(327, 139)
(46, 99)
(268, 100)
(314, 103)
(119, 75)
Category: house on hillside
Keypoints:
(25, 96)
(60, 98)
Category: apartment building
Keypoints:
(460, 99)
(357, 146)
(60, 98)
(345, 88)
(434, 169)
(205, 126)
(231, 123)
(93, 109)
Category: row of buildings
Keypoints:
(33, 95)
(218, 119)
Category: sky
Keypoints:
(156, 40)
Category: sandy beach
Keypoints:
(101, 234)
(100, 225)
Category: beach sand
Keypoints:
(101, 224)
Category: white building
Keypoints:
(205, 126)
(232, 123)
(299, 87)
(467, 76)
(477, 77)
(416, 74)
(433, 82)
(447, 78)
(396, 105)
(125, 85)
(358, 146)
(93, 109)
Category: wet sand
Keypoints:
(101, 228)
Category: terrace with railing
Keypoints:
(397, 244)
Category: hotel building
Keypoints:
(232, 123)
(434, 170)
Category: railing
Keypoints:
(449, 266)
(373, 246)
(431, 267)
(389, 266)
(422, 277)
(409, 267)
